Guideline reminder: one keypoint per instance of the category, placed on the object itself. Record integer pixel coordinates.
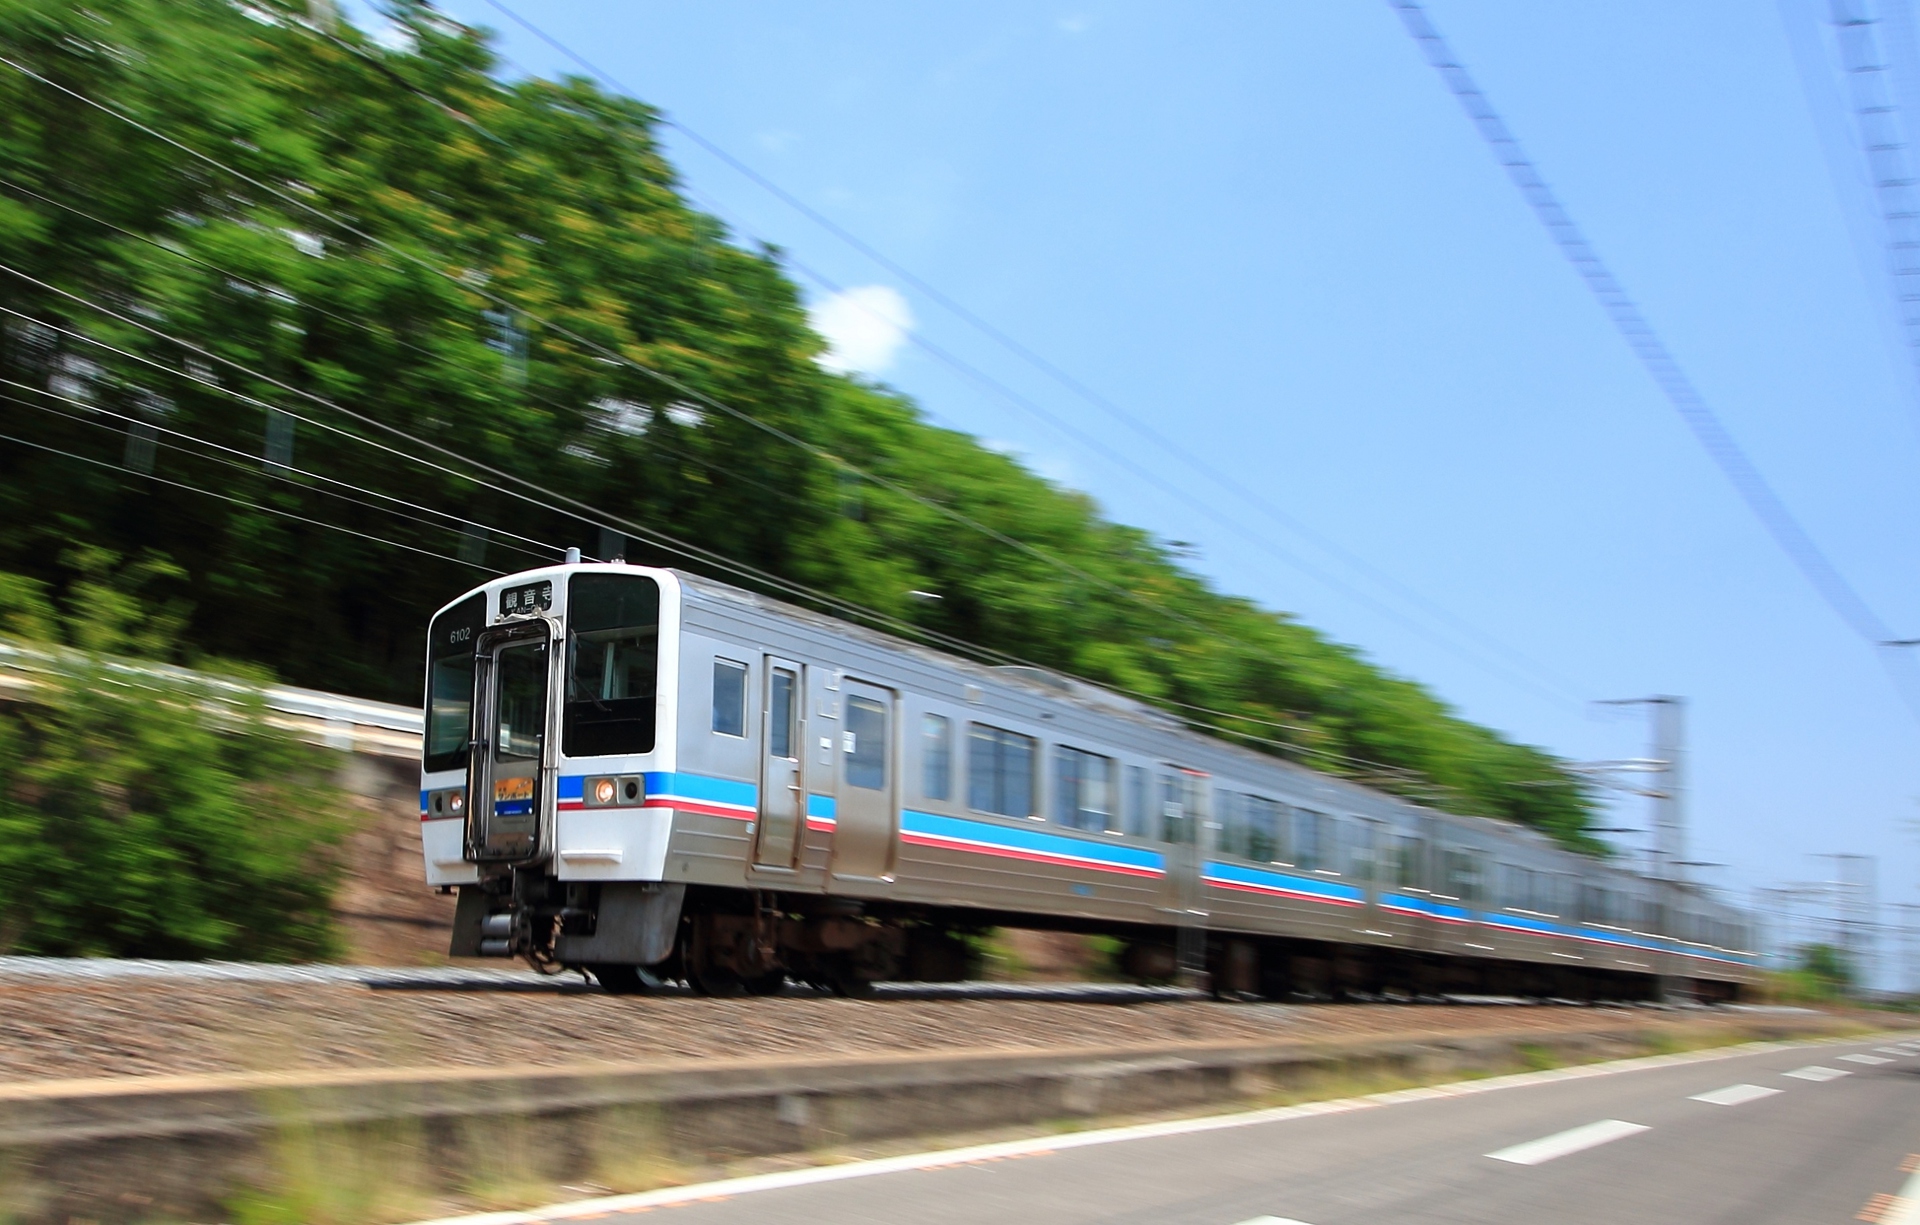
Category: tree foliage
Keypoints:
(151, 812)
(483, 252)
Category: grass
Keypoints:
(403, 1170)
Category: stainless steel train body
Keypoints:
(648, 774)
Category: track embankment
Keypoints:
(130, 1100)
(117, 1024)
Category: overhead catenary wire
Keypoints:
(1399, 776)
(1889, 154)
(256, 285)
(358, 324)
(242, 502)
(580, 511)
(1638, 331)
(446, 520)
(614, 355)
(1565, 690)
(660, 539)
(1185, 496)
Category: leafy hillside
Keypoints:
(509, 272)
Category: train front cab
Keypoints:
(546, 719)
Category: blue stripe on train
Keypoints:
(1263, 880)
(703, 788)
(1035, 845)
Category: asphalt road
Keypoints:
(1823, 1133)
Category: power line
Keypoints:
(661, 539)
(1093, 442)
(614, 355)
(1889, 156)
(360, 325)
(242, 502)
(1379, 772)
(1654, 355)
(541, 551)
(593, 516)
(177, 253)
(1160, 440)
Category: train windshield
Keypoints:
(613, 664)
(450, 683)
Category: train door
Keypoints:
(865, 812)
(510, 778)
(1183, 826)
(782, 792)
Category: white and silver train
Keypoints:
(648, 775)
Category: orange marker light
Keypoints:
(603, 791)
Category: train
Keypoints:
(649, 776)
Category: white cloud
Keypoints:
(1078, 23)
(395, 36)
(863, 327)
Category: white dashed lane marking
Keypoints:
(1815, 1072)
(1734, 1095)
(1533, 1152)
(1866, 1059)
(1272, 1220)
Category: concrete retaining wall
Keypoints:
(373, 1145)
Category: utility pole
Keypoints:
(1669, 851)
(1856, 912)
(1909, 948)
(1669, 812)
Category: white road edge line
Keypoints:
(1574, 1140)
(1735, 1095)
(1108, 1135)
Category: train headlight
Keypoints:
(614, 791)
(456, 802)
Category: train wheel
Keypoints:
(716, 983)
(623, 980)
(767, 984)
(850, 986)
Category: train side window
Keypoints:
(782, 707)
(729, 698)
(999, 771)
(1229, 810)
(1409, 862)
(1263, 819)
(1138, 823)
(936, 757)
(1360, 849)
(866, 743)
(1310, 839)
(1180, 812)
(1083, 789)
(1464, 878)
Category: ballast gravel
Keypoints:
(153, 1026)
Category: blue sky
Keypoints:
(1267, 230)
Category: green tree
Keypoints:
(509, 271)
(149, 812)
